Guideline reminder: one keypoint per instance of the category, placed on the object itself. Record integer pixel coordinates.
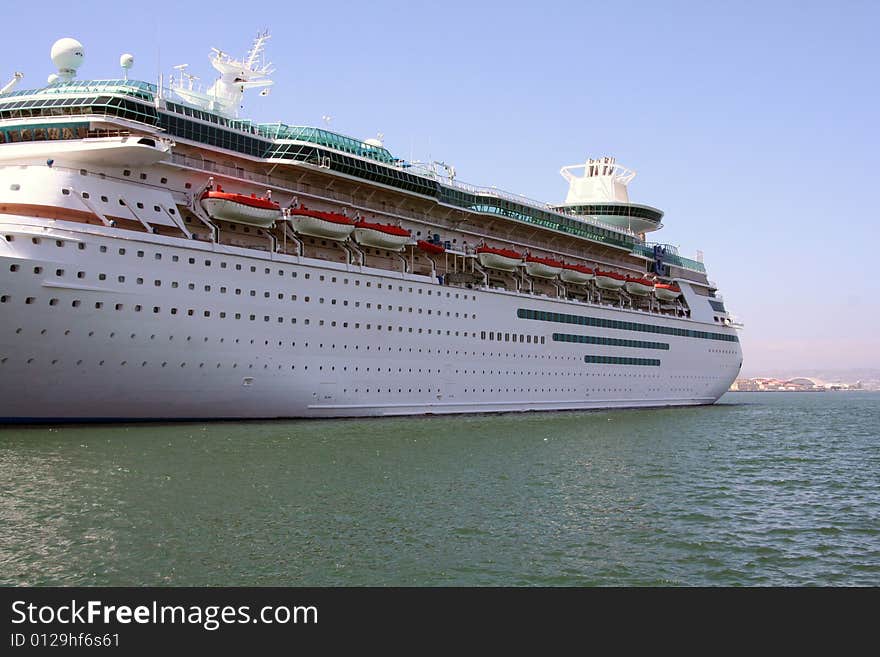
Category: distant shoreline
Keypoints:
(808, 390)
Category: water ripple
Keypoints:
(769, 489)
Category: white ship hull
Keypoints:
(104, 151)
(82, 339)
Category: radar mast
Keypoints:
(236, 76)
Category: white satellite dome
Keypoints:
(375, 143)
(68, 55)
(126, 61)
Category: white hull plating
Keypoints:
(106, 151)
(90, 329)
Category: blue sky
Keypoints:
(753, 125)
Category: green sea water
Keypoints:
(760, 489)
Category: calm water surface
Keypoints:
(761, 489)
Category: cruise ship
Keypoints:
(163, 258)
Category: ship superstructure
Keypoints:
(161, 257)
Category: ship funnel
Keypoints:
(602, 180)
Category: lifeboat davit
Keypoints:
(576, 274)
(641, 287)
(543, 267)
(431, 247)
(315, 223)
(238, 208)
(503, 259)
(609, 280)
(381, 236)
(667, 291)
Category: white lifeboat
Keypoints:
(576, 274)
(667, 291)
(503, 259)
(543, 267)
(640, 287)
(315, 223)
(609, 280)
(238, 208)
(381, 236)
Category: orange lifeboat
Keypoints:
(315, 223)
(503, 259)
(609, 280)
(667, 291)
(431, 247)
(254, 210)
(641, 287)
(576, 274)
(543, 267)
(381, 236)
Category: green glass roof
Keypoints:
(135, 88)
(325, 138)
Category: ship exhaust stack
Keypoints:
(602, 180)
(600, 193)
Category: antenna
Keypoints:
(236, 77)
(158, 59)
(326, 119)
(255, 54)
(181, 71)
